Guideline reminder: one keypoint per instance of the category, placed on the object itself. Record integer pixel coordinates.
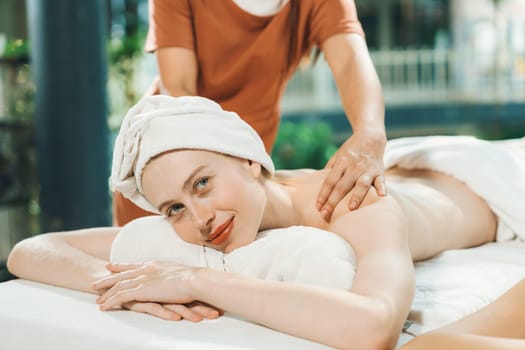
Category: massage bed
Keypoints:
(37, 316)
(448, 287)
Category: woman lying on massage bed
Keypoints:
(207, 172)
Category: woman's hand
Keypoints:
(195, 311)
(150, 282)
(357, 165)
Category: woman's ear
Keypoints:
(255, 168)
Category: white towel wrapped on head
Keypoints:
(295, 254)
(158, 124)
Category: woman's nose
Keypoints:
(203, 217)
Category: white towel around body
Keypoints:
(494, 170)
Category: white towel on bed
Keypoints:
(493, 170)
(295, 254)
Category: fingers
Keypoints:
(331, 161)
(120, 267)
(362, 185)
(331, 190)
(194, 312)
(114, 297)
(128, 294)
(120, 293)
(205, 310)
(109, 281)
(152, 282)
(379, 184)
(154, 309)
(340, 181)
(337, 193)
(186, 312)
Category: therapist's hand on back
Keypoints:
(356, 166)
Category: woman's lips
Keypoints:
(222, 232)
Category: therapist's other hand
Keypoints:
(157, 282)
(357, 165)
(195, 311)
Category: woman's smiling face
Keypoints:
(210, 199)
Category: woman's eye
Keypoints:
(175, 209)
(199, 185)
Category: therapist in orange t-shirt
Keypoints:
(241, 53)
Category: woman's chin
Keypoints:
(234, 245)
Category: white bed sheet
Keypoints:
(36, 316)
(459, 282)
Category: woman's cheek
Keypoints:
(184, 232)
(228, 195)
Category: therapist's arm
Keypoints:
(358, 164)
(178, 71)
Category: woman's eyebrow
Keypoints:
(186, 184)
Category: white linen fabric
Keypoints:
(38, 316)
(35, 316)
(295, 254)
(458, 282)
(495, 171)
(157, 124)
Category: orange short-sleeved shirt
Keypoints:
(242, 58)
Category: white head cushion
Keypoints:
(298, 254)
(157, 124)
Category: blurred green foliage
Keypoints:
(303, 145)
(17, 82)
(16, 49)
(123, 54)
(126, 48)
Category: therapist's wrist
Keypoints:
(373, 137)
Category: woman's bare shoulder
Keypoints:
(292, 173)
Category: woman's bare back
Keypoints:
(441, 212)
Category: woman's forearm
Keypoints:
(52, 259)
(337, 318)
(497, 326)
(447, 340)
